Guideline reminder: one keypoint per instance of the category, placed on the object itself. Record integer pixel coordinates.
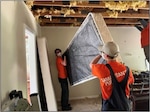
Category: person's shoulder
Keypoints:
(117, 66)
(100, 67)
(59, 58)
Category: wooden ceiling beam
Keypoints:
(105, 15)
(108, 21)
(122, 21)
(74, 25)
(58, 21)
(84, 4)
(128, 15)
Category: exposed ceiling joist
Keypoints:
(51, 13)
(105, 15)
(84, 4)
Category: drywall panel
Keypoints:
(85, 45)
(46, 75)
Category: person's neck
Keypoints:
(110, 60)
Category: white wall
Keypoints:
(128, 39)
(14, 16)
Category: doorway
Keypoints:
(30, 42)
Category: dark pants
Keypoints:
(146, 52)
(64, 92)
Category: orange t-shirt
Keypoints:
(103, 73)
(62, 73)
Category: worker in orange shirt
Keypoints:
(144, 29)
(114, 78)
(62, 77)
(145, 40)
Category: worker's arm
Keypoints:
(64, 62)
(95, 60)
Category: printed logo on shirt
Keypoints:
(119, 74)
(107, 80)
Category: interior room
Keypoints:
(32, 30)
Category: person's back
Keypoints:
(105, 74)
(118, 99)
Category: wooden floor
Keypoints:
(86, 104)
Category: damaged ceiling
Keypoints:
(73, 12)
